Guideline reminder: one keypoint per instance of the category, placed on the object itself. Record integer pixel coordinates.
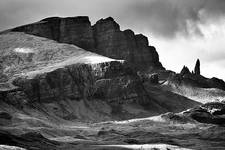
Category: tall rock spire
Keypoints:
(197, 67)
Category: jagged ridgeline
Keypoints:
(104, 38)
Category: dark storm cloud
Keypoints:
(161, 17)
(168, 17)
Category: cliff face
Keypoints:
(71, 83)
(38, 70)
(114, 43)
(73, 30)
(104, 37)
(67, 81)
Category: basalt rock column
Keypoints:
(197, 67)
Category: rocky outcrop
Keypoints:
(77, 31)
(114, 43)
(185, 71)
(195, 86)
(194, 79)
(71, 30)
(197, 67)
(63, 78)
(104, 38)
(177, 118)
(54, 73)
(212, 113)
(81, 82)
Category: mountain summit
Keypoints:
(104, 38)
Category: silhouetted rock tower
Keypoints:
(197, 67)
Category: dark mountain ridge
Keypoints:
(104, 38)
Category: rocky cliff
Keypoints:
(64, 78)
(104, 38)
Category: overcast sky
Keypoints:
(181, 30)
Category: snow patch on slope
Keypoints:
(23, 50)
(149, 146)
(6, 147)
(99, 59)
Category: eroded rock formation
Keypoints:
(210, 113)
(197, 67)
(195, 79)
(185, 71)
(104, 37)
(42, 72)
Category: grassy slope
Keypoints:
(21, 53)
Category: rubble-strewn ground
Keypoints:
(146, 133)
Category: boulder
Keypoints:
(62, 78)
(211, 113)
(154, 78)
